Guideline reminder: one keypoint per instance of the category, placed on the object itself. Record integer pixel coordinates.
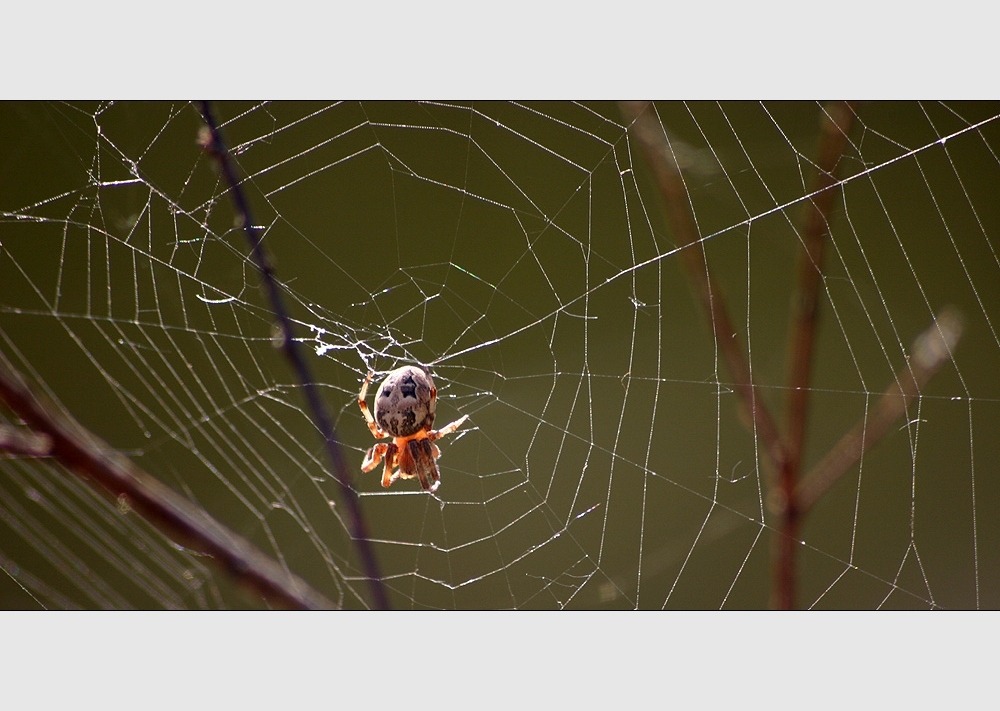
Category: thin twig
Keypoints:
(109, 472)
(217, 148)
(835, 127)
(660, 157)
(932, 349)
(833, 140)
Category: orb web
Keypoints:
(519, 251)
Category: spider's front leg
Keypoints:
(369, 420)
(447, 429)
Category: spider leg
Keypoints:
(430, 479)
(369, 420)
(447, 429)
(375, 455)
(419, 461)
(387, 476)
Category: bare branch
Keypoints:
(932, 349)
(109, 472)
(833, 140)
(660, 157)
(359, 532)
(835, 126)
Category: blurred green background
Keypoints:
(520, 251)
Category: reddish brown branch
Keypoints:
(789, 499)
(111, 473)
(657, 151)
(932, 349)
(835, 127)
(833, 140)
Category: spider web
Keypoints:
(519, 250)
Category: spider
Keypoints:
(404, 410)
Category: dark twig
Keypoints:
(109, 472)
(660, 157)
(217, 148)
(836, 125)
(932, 349)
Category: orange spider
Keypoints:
(404, 410)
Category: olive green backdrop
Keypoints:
(520, 251)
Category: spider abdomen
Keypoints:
(405, 402)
